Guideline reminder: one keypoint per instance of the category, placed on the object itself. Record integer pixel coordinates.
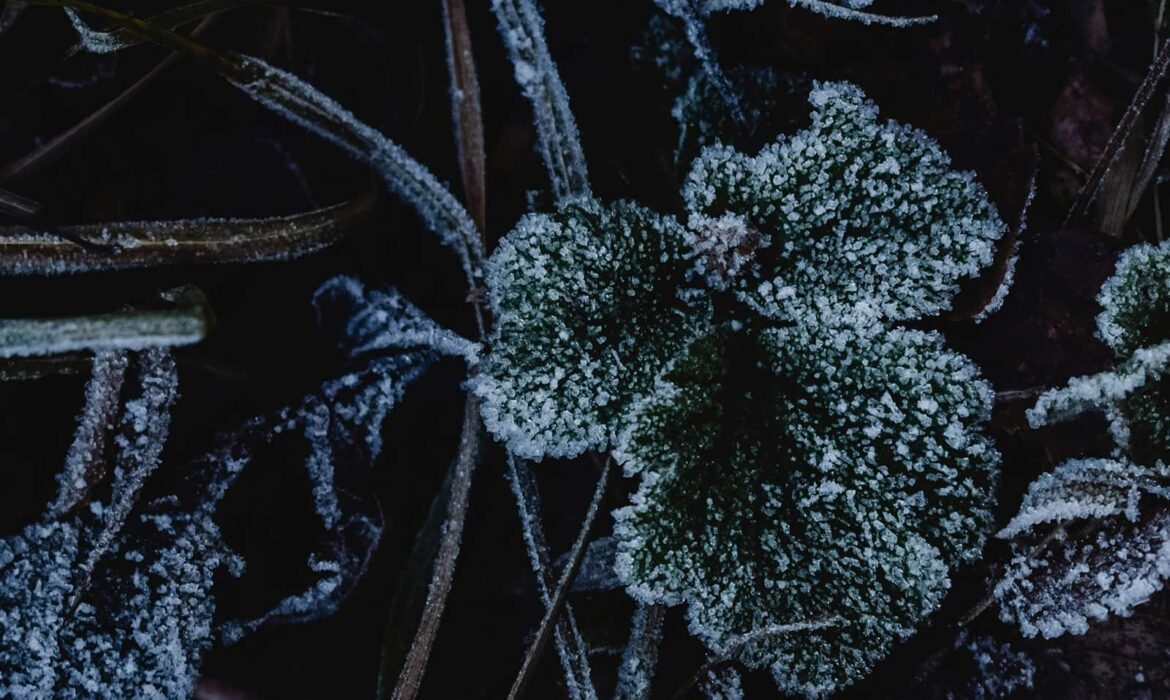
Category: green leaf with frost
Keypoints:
(588, 302)
(854, 215)
(805, 474)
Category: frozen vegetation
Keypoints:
(809, 461)
(1092, 538)
(745, 367)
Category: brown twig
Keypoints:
(563, 585)
(465, 110)
(467, 115)
(416, 659)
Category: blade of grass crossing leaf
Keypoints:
(560, 596)
(567, 639)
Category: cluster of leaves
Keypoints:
(809, 471)
(1092, 538)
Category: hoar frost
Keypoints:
(1092, 538)
(810, 472)
(588, 302)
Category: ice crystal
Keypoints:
(1108, 543)
(807, 473)
(640, 658)
(589, 302)
(722, 683)
(861, 214)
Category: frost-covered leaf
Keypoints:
(1114, 561)
(112, 603)
(589, 302)
(1087, 488)
(341, 424)
(1108, 569)
(1135, 301)
(855, 214)
(807, 474)
(141, 626)
(381, 321)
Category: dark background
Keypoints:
(1002, 84)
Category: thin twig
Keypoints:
(1117, 140)
(566, 637)
(982, 606)
(48, 152)
(563, 586)
(466, 461)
